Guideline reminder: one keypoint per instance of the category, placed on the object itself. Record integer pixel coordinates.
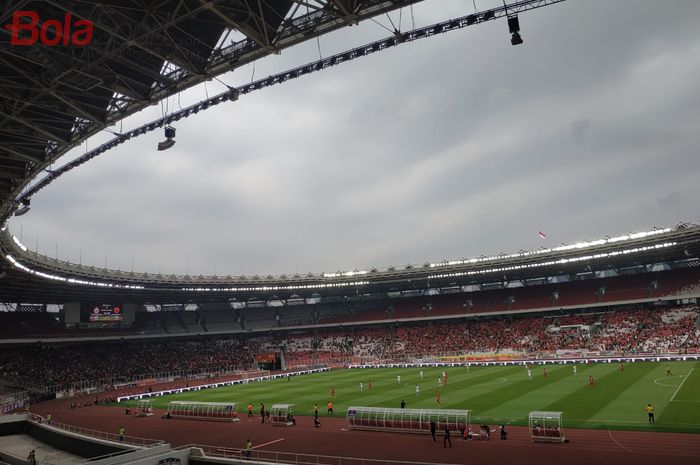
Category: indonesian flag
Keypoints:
(542, 235)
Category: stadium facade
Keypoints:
(31, 277)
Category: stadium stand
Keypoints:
(72, 366)
(221, 318)
(624, 330)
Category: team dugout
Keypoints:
(546, 426)
(407, 419)
(223, 411)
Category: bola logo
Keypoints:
(26, 31)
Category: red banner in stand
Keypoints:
(266, 358)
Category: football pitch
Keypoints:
(494, 394)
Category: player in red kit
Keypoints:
(591, 381)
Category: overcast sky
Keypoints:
(454, 146)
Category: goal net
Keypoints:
(252, 374)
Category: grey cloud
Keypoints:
(454, 146)
(579, 129)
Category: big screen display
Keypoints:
(102, 313)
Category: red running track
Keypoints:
(586, 447)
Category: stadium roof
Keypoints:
(30, 277)
(55, 97)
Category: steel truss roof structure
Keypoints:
(53, 98)
(233, 93)
(30, 277)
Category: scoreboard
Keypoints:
(103, 313)
(99, 315)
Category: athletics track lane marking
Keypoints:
(617, 442)
(682, 382)
(268, 443)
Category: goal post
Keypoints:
(144, 408)
(215, 411)
(253, 374)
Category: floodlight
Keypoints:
(166, 144)
(24, 208)
(513, 24)
(169, 139)
(515, 39)
(514, 29)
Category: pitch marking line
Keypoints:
(268, 443)
(488, 383)
(656, 381)
(682, 382)
(634, 422)
(614, 421)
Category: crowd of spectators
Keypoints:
(74, 366)
(630, 331)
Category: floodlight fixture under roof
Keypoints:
(514, 29)
(169, 139)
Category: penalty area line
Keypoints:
(682, 383)
(268, 443)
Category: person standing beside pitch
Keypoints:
(248, 448)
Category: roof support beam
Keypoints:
(137, 42)
(43, 90)
(251, 33)
(19, 155)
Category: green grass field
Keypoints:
(495, 394)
